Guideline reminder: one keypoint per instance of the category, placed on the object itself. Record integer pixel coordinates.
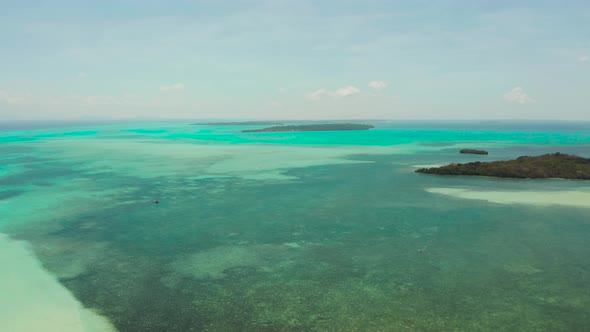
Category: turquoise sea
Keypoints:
(317, 231)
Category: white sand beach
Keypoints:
(33, 300)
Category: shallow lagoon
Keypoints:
(298, 231)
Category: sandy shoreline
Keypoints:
(33, 300)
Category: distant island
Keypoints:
(556, 165)
(312, 127)
(239, 123)
(473, 151)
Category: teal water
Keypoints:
(301, 231)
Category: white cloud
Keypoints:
(347, 91)
(13, 98)
(377, 85)
(177, 86)
(27, 99)
(25, 105)
(584, 58)
(82, 74)
(318, 94)
(96, 100)
(517, 95)
(337, 94)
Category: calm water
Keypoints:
(301, 231)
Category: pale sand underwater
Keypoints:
(577, 198)
(151, 158)
(33, 300)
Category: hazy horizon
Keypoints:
(257, 59)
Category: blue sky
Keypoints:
(295, 59)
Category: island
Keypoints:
(239, 123)
(312, 127)
(555, 165)
(473, 151)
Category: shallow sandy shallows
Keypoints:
(150, 159)
(32, 300)
(578, 198)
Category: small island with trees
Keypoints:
(239, 123)
(473, 151)
(556, 165)
(312, 127)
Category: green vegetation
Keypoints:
(473, 151)
(313, 127)
(557, 165)
(239, 123)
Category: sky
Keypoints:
(282, 59)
